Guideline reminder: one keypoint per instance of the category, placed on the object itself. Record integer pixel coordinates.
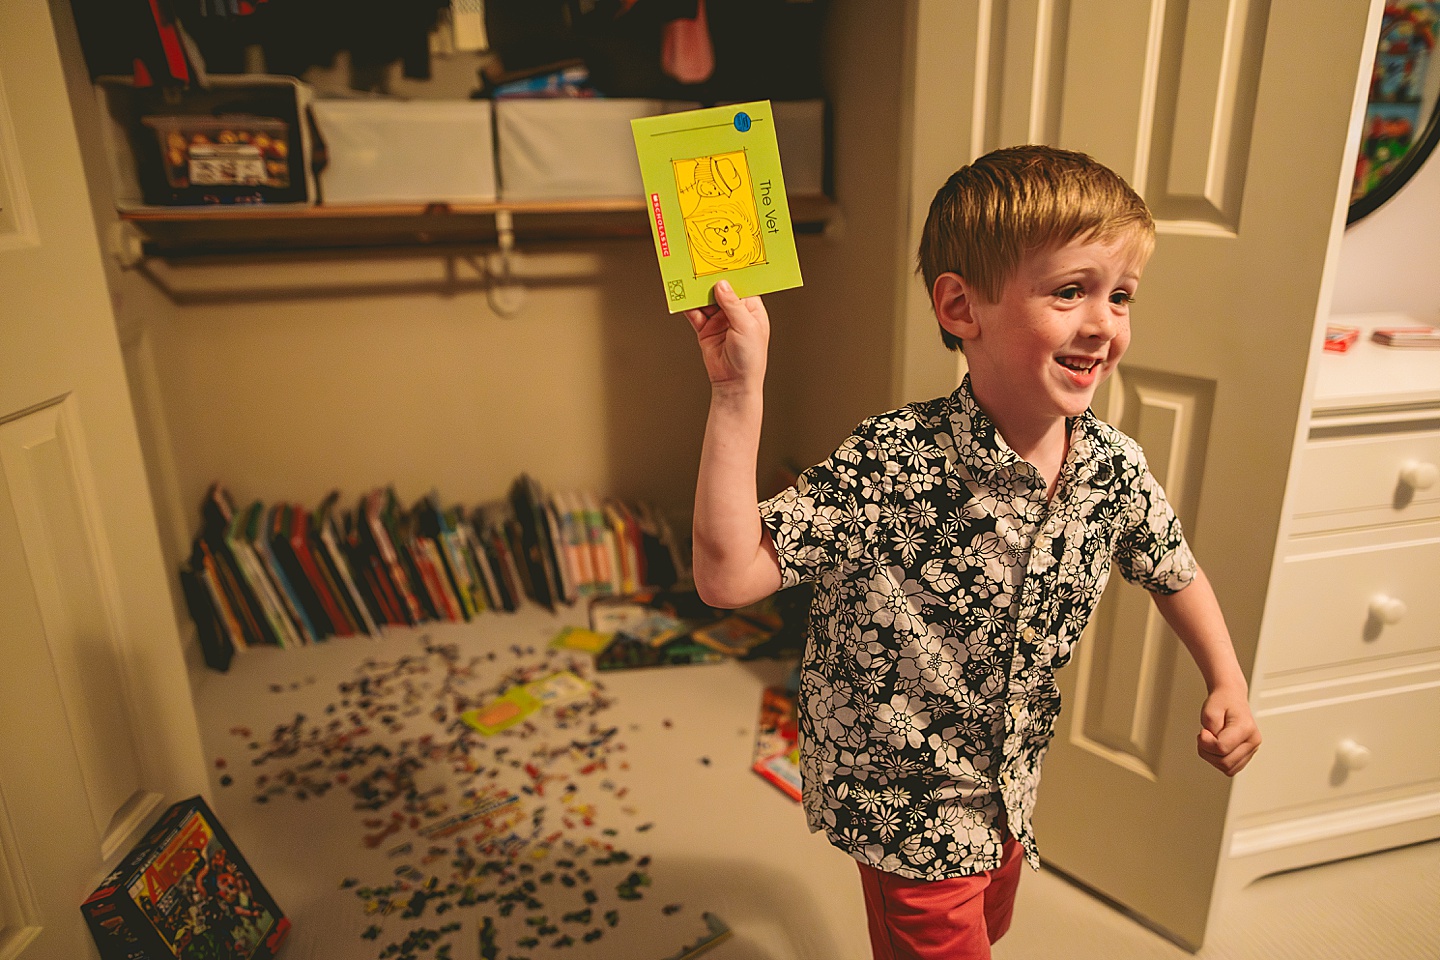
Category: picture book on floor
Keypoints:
(777, 750)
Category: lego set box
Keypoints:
(185, 892)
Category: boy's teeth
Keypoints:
(1077, 364)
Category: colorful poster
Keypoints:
(1401, 91)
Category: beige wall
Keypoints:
(832, 342)
(1387, 260)
(591, 384)
(289, 378)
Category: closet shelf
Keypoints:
(179, 232)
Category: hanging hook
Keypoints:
(506, 295)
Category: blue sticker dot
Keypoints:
(742, 122)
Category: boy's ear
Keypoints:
(951, 297)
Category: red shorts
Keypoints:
(953, 919)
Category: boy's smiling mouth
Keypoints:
(1079, 364)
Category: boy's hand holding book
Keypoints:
(734, 336)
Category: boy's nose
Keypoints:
(1100, 321)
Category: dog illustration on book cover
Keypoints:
(717, 205)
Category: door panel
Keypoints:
(19, 923)
(49, 847)
(1023, 87)
(52, 496)
(1206, 90)
(95, 709)
(1125, 668)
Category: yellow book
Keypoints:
(717, 203)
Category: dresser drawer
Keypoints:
(1363, 480)
(1345, 747)
(1343, 601)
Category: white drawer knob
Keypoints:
(1388, 609)
(1353, 755)
(1419, 475)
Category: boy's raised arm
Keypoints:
(734, 558)
(1228, 735)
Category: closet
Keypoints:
(296, 367)
(288, 375)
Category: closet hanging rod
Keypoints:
(184, 232)
(322, 211)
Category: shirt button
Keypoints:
(1028, 633)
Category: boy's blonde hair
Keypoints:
(1015, 201)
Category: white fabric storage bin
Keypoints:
(800, 134)
(406, 151)
(571, 149)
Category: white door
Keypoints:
(97, 729)
(1231, 118)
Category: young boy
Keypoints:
(958, 547)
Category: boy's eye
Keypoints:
(1120, 298)
(1071, 292)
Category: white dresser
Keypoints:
(1347, 687)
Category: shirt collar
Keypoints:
(980, 450)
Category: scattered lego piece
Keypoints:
(489, 949)
(629, 888)
(498, 839)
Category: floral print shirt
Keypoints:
(948, 590)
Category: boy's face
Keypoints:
(1059, 329)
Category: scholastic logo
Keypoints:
(659, 225)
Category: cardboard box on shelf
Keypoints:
(237, 150)
(241, 139)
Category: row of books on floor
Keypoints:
(283, 575)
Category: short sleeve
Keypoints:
(818, 524)
(1152, 552)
